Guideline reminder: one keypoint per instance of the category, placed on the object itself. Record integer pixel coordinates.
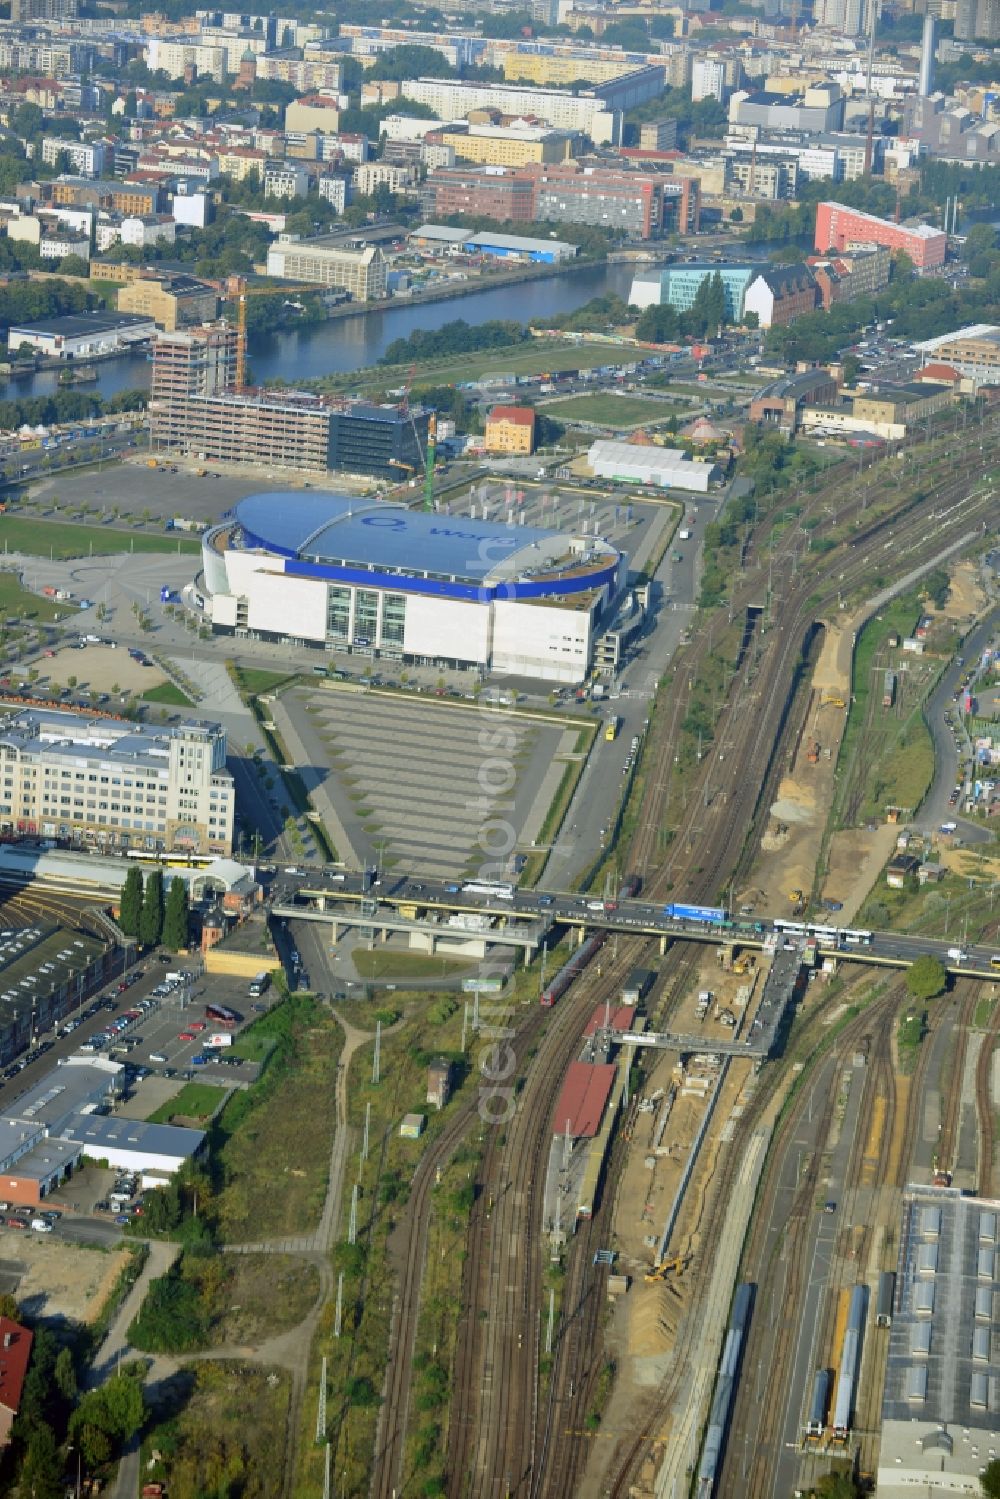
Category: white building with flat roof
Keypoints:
(107, 781)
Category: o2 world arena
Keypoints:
(354, 574)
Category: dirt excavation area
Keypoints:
(56, 1281)
(664, 1126)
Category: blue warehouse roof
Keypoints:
(348, 531)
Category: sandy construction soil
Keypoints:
(100, 668)
(60, 1281)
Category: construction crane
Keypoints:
(237, 287)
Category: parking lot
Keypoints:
(408, 776)
(169, 1031)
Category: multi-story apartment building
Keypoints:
(639, 204)
(44, 10)
(708, 79)
(974, 351)
(596, 111)
(303, 74)
(770, 178)
(100, 780)
(858, 273)
(285, 179)
(632, 202)
(314, 112)
(359, 272)
(334, 190)
(510, 429)
(840, 228)
(174, 58)
(85, 157)
(658, 135)
(510, 145)
(129, 198)
(506, 197)
(547, 71)
(398, 178)
(45, 58)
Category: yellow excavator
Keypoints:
(674, 1266)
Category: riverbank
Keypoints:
(454, 290)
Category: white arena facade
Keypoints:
(357, 575)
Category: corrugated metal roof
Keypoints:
(984, 1302)
(981, 1341)
(988, 1226)
(916, 1382)
(582, 1099)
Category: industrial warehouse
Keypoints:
(66, 1116)
(337, 571)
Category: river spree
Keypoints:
(350, 343)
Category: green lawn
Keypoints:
(19, 604)
(39, 538)
(194, 1101)
(168, 693)
(384, 964)
(610, 409)
(252, 681)
(535, 358)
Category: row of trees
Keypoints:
(457, 337)
(145, 915)
(66, 406)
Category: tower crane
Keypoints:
(237, 288)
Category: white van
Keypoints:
(41, 1225)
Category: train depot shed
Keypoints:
(583, 1099)
(941, 1397)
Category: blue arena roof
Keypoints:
(352, 531)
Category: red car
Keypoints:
(185, 1035)
(197, 1025)
(16, 1223)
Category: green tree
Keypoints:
(926, 978)
(851, 366)
(175, 920)
(41, 1471)
(980, 239)
(989, 1480)
(64, 1374)
(837, 1486)
(131, 903)
(106, 1418)
(151, 915)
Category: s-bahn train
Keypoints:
(576, 964)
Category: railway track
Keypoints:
(782, 1280)
(707, 849)
(565, 1442)
(949, 1137)
(985, 1109)
(492, 1426)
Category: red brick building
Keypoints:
(15, 1351)
(839, 227)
